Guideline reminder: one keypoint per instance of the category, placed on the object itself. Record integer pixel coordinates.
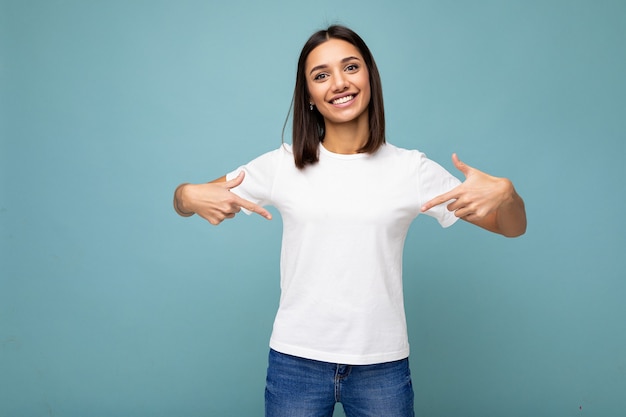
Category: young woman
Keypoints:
(347, 199)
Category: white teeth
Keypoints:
(343, 100)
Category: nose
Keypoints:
(340, 82)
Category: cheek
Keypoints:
(366, 89)
(318, 97)
(367, 94)
(313, 92)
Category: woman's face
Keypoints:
(338, 81)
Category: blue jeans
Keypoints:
(298, 387)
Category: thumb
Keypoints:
(461, 166)
(235, 181)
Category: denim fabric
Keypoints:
(298, 387)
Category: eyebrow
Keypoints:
(323, 66)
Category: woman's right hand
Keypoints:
(213, 201)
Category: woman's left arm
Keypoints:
(486, 201)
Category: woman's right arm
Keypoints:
(213, 201)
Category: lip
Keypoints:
(354, 96)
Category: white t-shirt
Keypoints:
(345, 220)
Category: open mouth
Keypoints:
(342, 100)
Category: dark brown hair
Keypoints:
(308, 125)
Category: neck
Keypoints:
(347, 138)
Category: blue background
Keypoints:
(111, 305)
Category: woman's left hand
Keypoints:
(487, 201)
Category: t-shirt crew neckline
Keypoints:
(344, 156)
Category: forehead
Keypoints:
(330, 52)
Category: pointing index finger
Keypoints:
(255, 208)
(242, 202)
(440, 199)
(260, 210)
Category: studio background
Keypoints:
(111, 305)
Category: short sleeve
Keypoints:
(435, 180)
(260, 176)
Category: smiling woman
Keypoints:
(347, 199)
(310, 127)
(339, 89)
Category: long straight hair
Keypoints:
(308, 125)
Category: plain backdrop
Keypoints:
(111, 305)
